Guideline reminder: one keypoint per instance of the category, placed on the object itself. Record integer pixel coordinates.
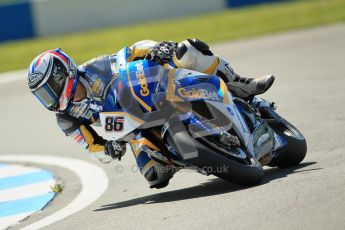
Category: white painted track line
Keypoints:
(93, 179)
(16, 170)
(26, 191)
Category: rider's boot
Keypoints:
(241, 86)
(249, 87)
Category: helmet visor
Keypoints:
(46, 96)
(57, 77)
(50, 91)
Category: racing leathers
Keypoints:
(97, 76)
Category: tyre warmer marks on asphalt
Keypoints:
(23, 191)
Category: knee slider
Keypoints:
(201, 46)
(196, 43)
(181, 50)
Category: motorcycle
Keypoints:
(188, 114)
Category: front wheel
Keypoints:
(246, 172)
(295, 149)
(243, 174)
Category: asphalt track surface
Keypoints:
(309, 91)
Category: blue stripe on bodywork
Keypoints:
(30, 204)
(30, 178)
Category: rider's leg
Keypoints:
(196, 55)
(156, 173)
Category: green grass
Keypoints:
(211, 27)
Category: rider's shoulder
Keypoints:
(99, 60)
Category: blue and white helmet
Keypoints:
(52, 78)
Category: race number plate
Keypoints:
(118, 124)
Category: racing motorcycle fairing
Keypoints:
(146, 95)
(262, 139)
(143, 86)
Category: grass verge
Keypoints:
(212, 27)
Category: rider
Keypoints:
(77, 93)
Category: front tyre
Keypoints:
(247, 173)
(296, 148)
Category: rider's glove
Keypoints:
(163, 52)
(115, 149)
